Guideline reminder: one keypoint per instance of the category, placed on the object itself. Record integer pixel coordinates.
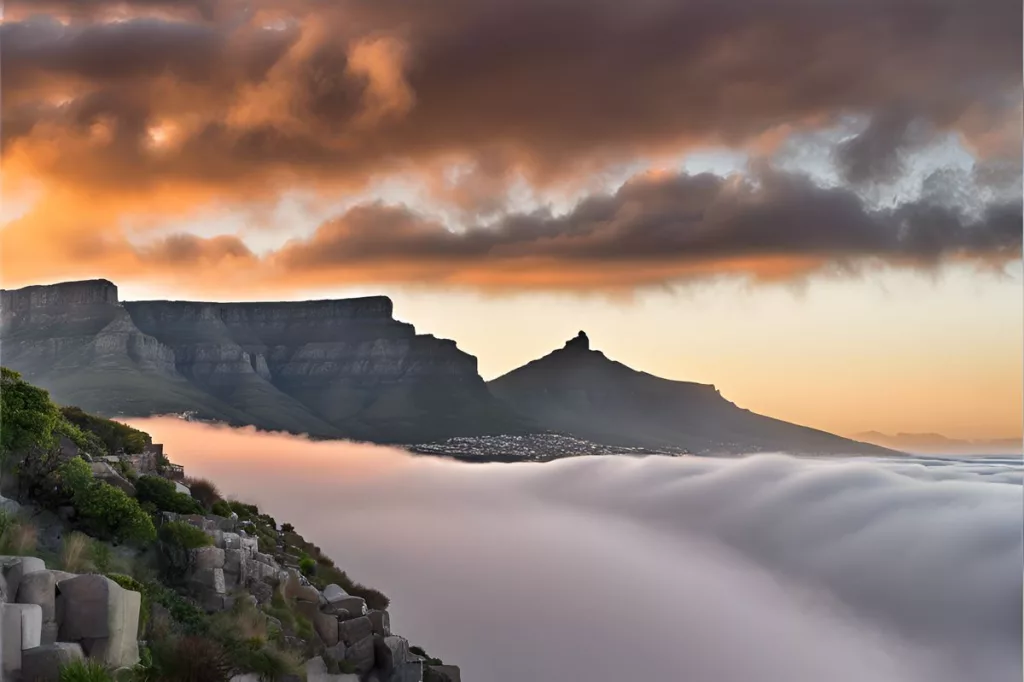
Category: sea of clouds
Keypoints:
(767, 568)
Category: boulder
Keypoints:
(13, 568)
(20, 629)
(390, 653)
(43, 663)
(352, 631)
(102, 616)
(233, 561)
(381, 622)
(262, 592)
(326, 626)
(336, 652)
(212, 579)
(203, 558)
(360, 655)
(250, 545)
(451, 672)
(334, 592)
(41, 588)
(355, 606)
(231, 541)
(182, 488)
(265, 559)
(108, 474)
(256, 570)
(296, 589)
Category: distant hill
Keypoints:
(938, 444)
(579, 391)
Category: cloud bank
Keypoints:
(768, 568)
(144, 113)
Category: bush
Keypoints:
(76, 549)
(17, 537)
(204, 492)
(187, 617)
(307, 565)
(287, 528)
(85, 671)
(221, 508)
(114, 435)
(184, 535)
(101, 556)
(75, 475)
(110, 513)
(190, 659)
(162, 493)
(26, 413)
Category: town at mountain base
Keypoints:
(347, 369)
(115, 565)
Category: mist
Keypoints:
(768, 568)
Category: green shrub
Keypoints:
(75, 475)
(85, 671)
(263, 660)
(186, 616)
(307, 565)
(190, 659)
(102, 556)
(27, 414)
(184, 535)
(165, 496)
(114, 435)
(109, 512)
(17, 537)
(221, 508)
(287, 528)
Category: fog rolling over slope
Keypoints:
(767, 568)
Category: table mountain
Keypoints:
(333, 368)
(579, 391)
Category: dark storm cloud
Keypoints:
(681, 221)
(557, 83)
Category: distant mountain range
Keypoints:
(348, 369)
(937, 444)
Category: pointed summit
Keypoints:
(578, 342)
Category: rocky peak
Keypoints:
(578, 342)
(86, 292)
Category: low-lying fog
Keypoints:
(768, 568)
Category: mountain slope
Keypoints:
(342, 368)
(579, 391)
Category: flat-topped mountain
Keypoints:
(579, 391)
(335, 368)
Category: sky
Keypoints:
(766, 567)
(813, 204)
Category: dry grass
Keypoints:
(76, 553)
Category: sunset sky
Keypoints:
(813, 204)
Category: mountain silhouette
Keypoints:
(579, 391)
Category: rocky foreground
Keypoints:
(118, 566)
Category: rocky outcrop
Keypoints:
(55, 618)
(332, 368)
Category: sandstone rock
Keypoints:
(231, 541)
(327, 627)
(355, 606)
(390, 652)
(261, 591)
(107, 474)
(210, 578)
(43, 663)
(20, 629)
(334, 592)
(14, 567)
(451, 673)
(103, 616)
(381, 622)
(360, 654)
(40, 588)
(351, 631)
(207, 557)
(250, 546)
